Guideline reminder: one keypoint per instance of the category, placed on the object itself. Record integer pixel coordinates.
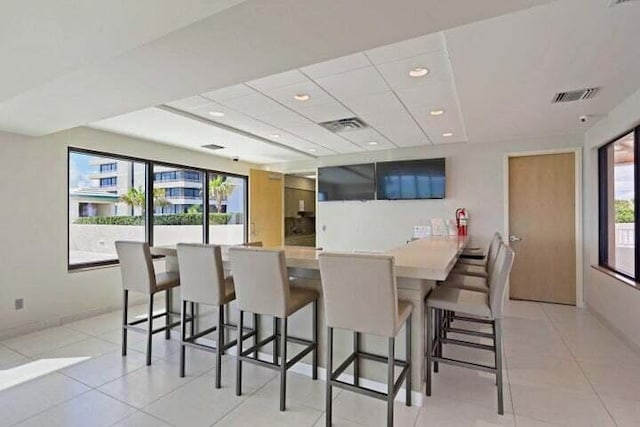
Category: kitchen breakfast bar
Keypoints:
(418, 265)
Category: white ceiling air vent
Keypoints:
(213, 147)
(344, 125)
(613, 3)
(575, 95)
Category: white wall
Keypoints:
(33, 221)
(474, 181)
(614, 300)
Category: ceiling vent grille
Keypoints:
(575, 95)
(344, 125)
(213, 147)
(613, 3)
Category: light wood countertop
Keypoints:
(430, 258)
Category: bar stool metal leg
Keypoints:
(356, 361)
(238, 353)
(255, 337)
(328, 392)
(283, 365)
(219, 345)
(276, 348)
(498, 350)
(192, 331)
(125, 320)
(183, 336)
(167, 317)
(390, 381)
(408, 359)
(436, 333)
(314, 338)
(428, 358)
(149, 330)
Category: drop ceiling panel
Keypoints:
(400, 128)
(191, 102)
(397, 73)
(166, 127)
(285, 119)
(256, 105)
(325, 112)
(230, 92)
(429, 93)
(373, 103)
(285, 95)
(354, 83)
(323, 137)
(337, 66)
(406, 49)
(278, 80)
(366, 137)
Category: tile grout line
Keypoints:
(555, 326)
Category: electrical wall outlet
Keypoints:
(19, 303)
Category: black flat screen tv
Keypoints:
(411, 179)
(350, 182)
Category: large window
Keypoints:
(108, 201)
(618, 183)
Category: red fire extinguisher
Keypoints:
(462, 219)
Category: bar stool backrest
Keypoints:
(360, 292)
(136, 266)
(261, 280)
(492, 252)
(498, 280)
(257, 244)
(201, 273)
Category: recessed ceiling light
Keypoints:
(372, 143)
(275, 135)
(447, 134)
(436, 112)
(301, 97)
(419, 72)
(310, 176)
(216, 113)
(312, 150)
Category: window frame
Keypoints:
(603, 207)
(149, 180)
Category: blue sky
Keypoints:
(623, 175)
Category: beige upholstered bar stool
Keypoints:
(476, 256)
(202, 281)
(478, 280)
(360, 295)
(475, 267)
(138, 275)
(477, 306)
(263, 287)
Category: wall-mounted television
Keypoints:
(411, 179)
(350, 182)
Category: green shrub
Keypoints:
(170, 219)
(624, 211)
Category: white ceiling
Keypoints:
(373, 85)
(495, 80)
(68, 63)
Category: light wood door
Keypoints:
(542, 227)
(266, 199)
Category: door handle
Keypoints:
(514, 238)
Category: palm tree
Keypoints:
(220, 188)
(135, 198)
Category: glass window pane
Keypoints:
(227, 214)
(621, 191)
(106, 199)
(177, 206)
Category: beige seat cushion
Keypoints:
(472, 283)
(166, 281)
(300, 297)
(472, 270)
(461, 301)
(469, 261)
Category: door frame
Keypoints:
(578, 208)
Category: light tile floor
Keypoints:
(562, 367)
